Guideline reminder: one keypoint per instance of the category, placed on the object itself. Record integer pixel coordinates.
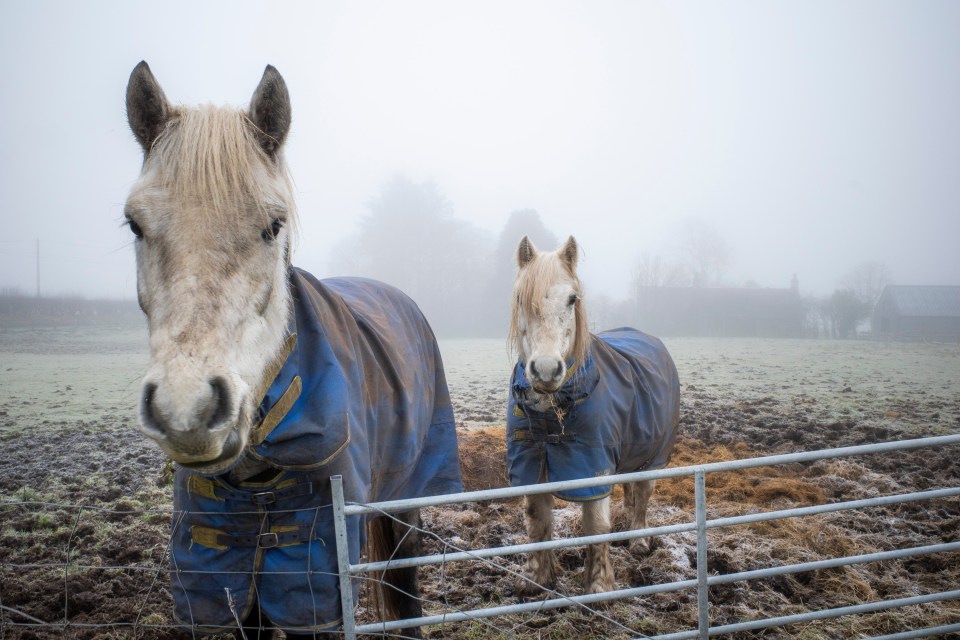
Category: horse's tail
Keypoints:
(391, 537)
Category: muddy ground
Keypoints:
(67, 441)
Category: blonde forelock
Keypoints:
(210, 156)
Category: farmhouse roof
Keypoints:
(923, 300)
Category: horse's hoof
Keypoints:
(530, 588)
(641, 546)
(599, 586)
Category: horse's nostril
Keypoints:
(148, 412)
(220, 401)
(533, 369)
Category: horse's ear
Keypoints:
(270, 111)
(147, 108)
(525, 252)
(570, 253)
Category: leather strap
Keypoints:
(280, 537)
(549, 438)
(267, 540)
(273, 370)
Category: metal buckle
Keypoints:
(553, 438)
(268, 540)
(264, 497)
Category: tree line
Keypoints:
(461, 275)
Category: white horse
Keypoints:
(263, 382)
(581, 405)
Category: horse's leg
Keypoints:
(598, 572)
(636, 497)
(398, 538)
(541, 565)
(406, 536)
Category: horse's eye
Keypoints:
(135, 228)
(572, 300)
(273, 231)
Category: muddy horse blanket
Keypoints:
(616, 413)
(361, 394)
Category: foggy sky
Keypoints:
(813, 135)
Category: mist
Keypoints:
(787, 139)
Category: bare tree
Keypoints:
(704, 252)
(815, 320)
(653, 270)
(867, 281)
(411, 239)
(845, 311)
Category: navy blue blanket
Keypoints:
(617, 413)
(362, 395)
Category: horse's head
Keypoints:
(548, 325)
(212, 215)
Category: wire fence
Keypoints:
(62, 588)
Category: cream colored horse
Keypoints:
(264, 382)
(581, 405)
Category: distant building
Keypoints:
(733, 312)
(917, 312)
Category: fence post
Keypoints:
(703, 596)
(343, 558)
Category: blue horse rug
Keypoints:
(616, 413)
(362, 394)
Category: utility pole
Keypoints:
(38, 267)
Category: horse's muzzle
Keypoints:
(545, 388)
(210, 411)
(204, 455)
(545, 374)
(231, 450)
(198, 428)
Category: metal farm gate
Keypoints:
(700, 525)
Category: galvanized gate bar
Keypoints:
(525, 607)
(919, 633)
(513, 549)
(811, 566)
(825, 614)
(703, 592)
(833, 563)
(621, 594)
(650, 531)
(672, 472)
(835, 506)
(343, 558)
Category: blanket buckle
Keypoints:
(264, 497)
(268, 540)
